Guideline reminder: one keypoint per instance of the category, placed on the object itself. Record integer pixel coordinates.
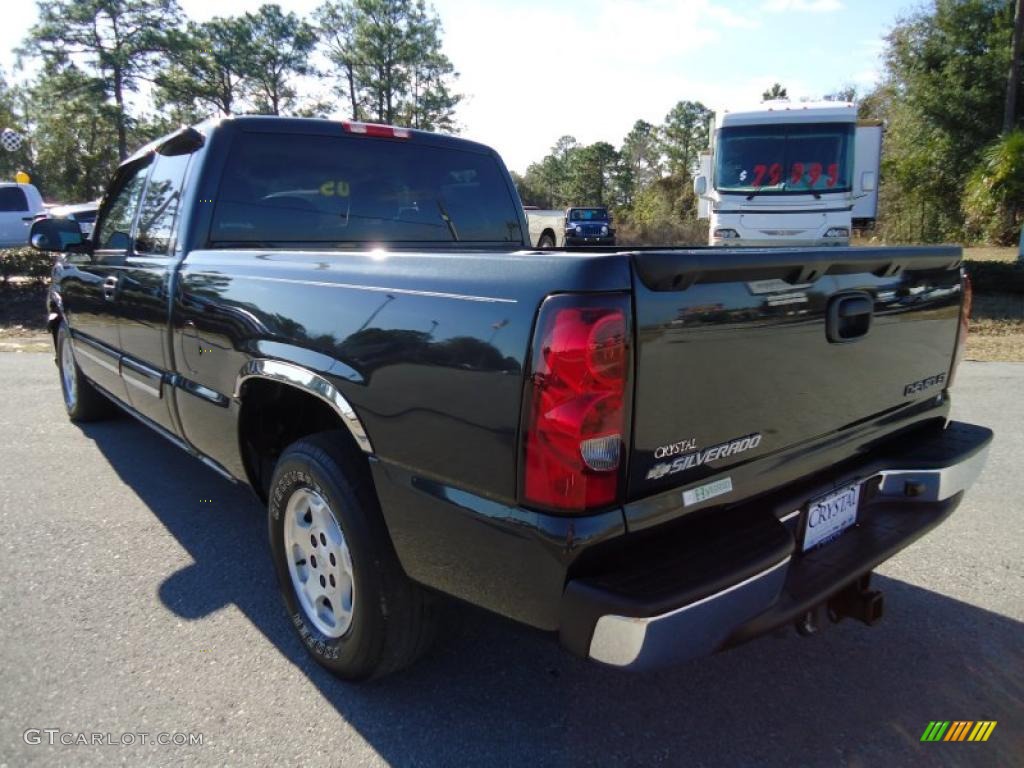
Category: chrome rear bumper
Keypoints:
(694, 630)
(900, 506)
(930, 485)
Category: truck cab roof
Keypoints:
(314, 126)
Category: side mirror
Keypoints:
(62, 235)
(700, 186)
(867, 181)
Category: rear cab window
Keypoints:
(310, 189)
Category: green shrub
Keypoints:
(988, 277)
(661, 232)
(25, 262)
(994, 197)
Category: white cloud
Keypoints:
(732, 19)
(866, 79)
(556, 69)
(534, 70)
(802, 6)
(867, 57)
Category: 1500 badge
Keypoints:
(697, 458)
(920, 386)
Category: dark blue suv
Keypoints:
(588, 226)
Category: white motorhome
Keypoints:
(789, 174)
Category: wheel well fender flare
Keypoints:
(311, 382)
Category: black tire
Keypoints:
(81, 399)
(392, 619)
(546, 241)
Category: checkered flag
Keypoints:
(11, 140)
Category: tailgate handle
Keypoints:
(849, 317)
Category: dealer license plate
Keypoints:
(830, 515)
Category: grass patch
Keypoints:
(997, 328)
(990, 347)
(991, 253)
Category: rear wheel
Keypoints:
(546, 241)
(81, 400)
(354, 608)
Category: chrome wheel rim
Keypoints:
(67, 372)
(319, 562)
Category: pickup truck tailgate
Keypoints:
(744, 353)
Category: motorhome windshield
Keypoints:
(785, 159)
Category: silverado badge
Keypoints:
(706, 456)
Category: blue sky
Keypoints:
(534, 70)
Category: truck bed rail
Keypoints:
(676, 269)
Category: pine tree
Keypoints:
(115, 41)
(685, 135)
(277, 50)
(389, 61)
(206, 67)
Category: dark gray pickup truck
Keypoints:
(656, 453)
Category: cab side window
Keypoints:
(160, 202)
(115, 230)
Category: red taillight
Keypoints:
(375, 129)
(965, 318)
(576, 403)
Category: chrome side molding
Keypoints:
(308, 381)
(167, 435)
(141, 376)
(132, 372)
(96, 352)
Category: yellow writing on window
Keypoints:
(337, 188)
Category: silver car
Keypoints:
(83, 213)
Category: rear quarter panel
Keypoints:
(427, 347)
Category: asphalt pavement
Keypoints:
(138, 600)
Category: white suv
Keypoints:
(19, 206)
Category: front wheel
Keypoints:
(81, 400)
(354, 608)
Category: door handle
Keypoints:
(110, 288)
(849, 317)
